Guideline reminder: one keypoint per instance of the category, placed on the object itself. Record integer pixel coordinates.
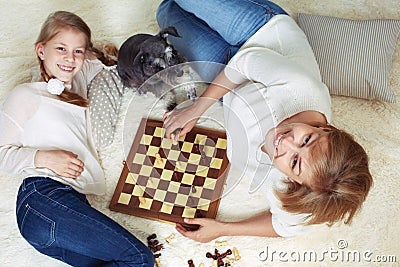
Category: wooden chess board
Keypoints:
(187, 182)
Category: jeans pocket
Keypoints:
(36, 228)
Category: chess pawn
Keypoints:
(236, 254)
(174, 142)
(158, 263)
(159, 159)
(191, 264)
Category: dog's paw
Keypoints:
(190, 89)
(171, 106)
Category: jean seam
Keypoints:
(52, 230)
(88, 218)
(25, 197)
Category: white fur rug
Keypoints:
(370, 240)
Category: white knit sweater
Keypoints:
(278, 77)
(32, 119)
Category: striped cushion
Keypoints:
(354, 56)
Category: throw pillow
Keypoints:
(354, 56)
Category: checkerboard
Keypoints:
(187, 182)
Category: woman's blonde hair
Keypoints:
(55, 23)
(340, 184)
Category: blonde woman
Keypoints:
(277, 112)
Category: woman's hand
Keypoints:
(180, 121)
(209, 230)
(62, 162)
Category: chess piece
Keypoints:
(169, 238)
(159, 159)
(221, 243)
(236, 254)
(158, 263)
(174, 142)
(142, 200)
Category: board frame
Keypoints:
(160, 216)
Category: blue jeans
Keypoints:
(59, 222)
(214, 30)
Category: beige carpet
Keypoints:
(371, 239)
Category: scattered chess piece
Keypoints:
(158, 263)
(169, 238)
(154, 245)
(229, 260)
(221, 243)
(191, 264)
(217, 257)
(152, 236)
(236, 254)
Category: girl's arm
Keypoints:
(15, 157)
(259, 225)
(62, 162)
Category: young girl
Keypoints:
(277, 113)
(46, 137)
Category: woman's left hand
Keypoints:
(209, 229)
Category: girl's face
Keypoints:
(290, 147)
(64, 54)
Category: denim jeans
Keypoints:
(59, 222)
(214, 30)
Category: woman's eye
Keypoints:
(294, 162)
(306, 140)
(61, 48)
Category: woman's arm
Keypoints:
(186, 118)
(259, 225)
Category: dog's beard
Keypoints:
(168, 83)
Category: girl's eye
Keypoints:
(306, 140)
(78, 51)
(294, 162)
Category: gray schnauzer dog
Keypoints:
(145, 61)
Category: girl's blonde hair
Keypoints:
(55, 23)
(340, 184)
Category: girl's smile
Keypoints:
(64, 54)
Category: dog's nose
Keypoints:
(192, 95)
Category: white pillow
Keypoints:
(354, 56)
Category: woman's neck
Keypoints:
(310, 117)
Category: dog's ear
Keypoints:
(168, 31)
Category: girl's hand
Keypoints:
(209, 230)
(62, 162)
(180, 121)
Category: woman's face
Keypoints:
(290, 147)
(64, 54)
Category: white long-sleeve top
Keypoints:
(32, 119)
(279, 77)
